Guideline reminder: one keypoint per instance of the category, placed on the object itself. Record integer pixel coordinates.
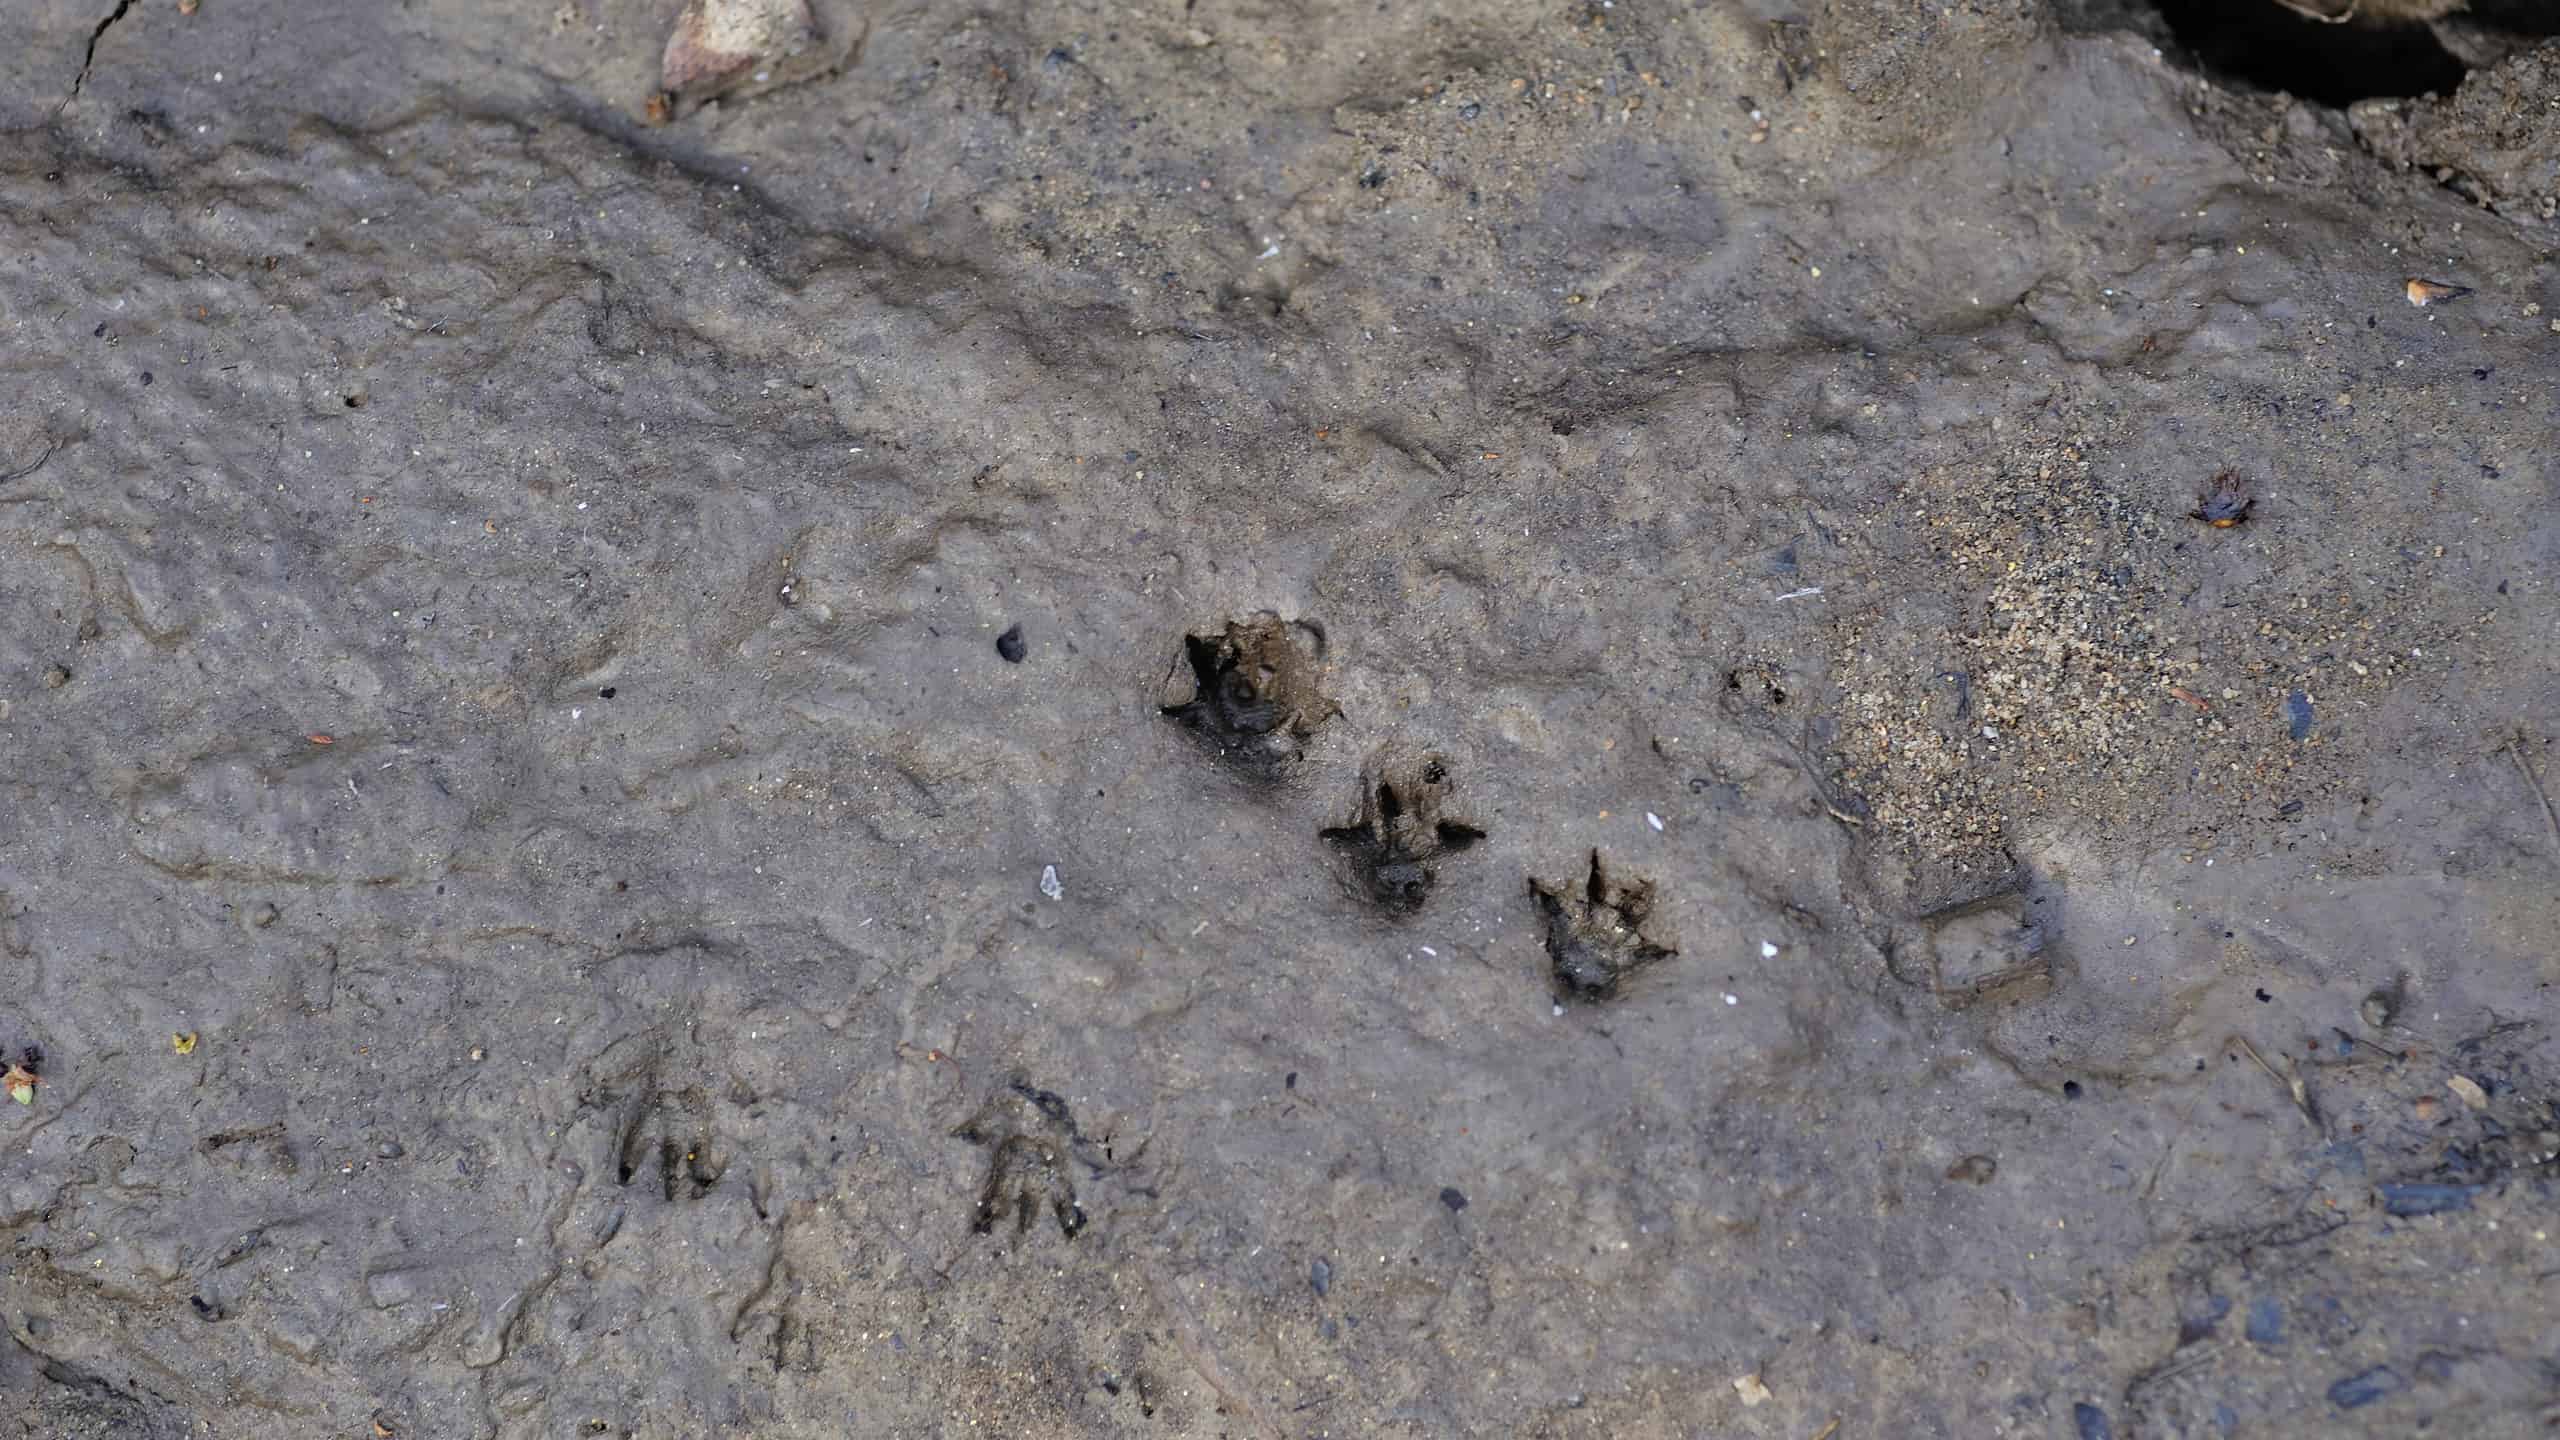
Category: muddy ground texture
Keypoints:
(1277, 721)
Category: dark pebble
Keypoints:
(389, 1150)
(1010, 645)
(1320, 1275)
(206, 1310)
(2297, 715)
(2090, 1422)
(2426, 1199)
(1454, 1199)
(146, 377)
(2366, 1388)
(2266, 1322)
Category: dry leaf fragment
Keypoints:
(21, 1084)
(2423, 293)
(2470, 1091)
(183, 1041)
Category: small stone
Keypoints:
(2365, 1388)
(1049, 885)
(1455, 1199)
(723, 46)
(2468, 1091)
(1010, 645)
(1320, 1275)
(389, 1150)
(478, 1054)
(1754, 1394)
(55, 677)
(1974, 1169)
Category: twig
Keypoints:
(49, 448)
(2292, 1083)
(1827, 1431)
(2515, 751)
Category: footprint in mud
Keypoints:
(1250, 691)
(668, 1137)
(1029, 1132)
(1596, 932)
(1408, 819)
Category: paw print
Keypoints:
(1030, 1134)
(1408, 819)
(1251, 692)
(1596, 932)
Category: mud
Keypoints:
(764, 767)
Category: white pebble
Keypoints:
(1732, 999)
(1653, 820)
(1768, 951)
(1049, 885)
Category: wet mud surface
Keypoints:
(1273, 721)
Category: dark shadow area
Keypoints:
(2265, 45)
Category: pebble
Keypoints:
(2297, 709)
(1049, 885)
(2266, 1322)
(2090, 1423)
(1454, 1198)
(1320, 1275)
(1010, 645)
(721, 45)
(2405, 1200)
(2366, 1388)
(389, 1150)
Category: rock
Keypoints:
(724, 48)
(2425, 1199)
(2367, 1387)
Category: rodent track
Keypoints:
(667, 1132)
(1030, 1133)
(1596, 931)
(1407, 819)
(1251, 692)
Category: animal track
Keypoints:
(1407, 820)
(1596, 932)
(1029, 1132)
(666, 1135)
(1251, 692)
